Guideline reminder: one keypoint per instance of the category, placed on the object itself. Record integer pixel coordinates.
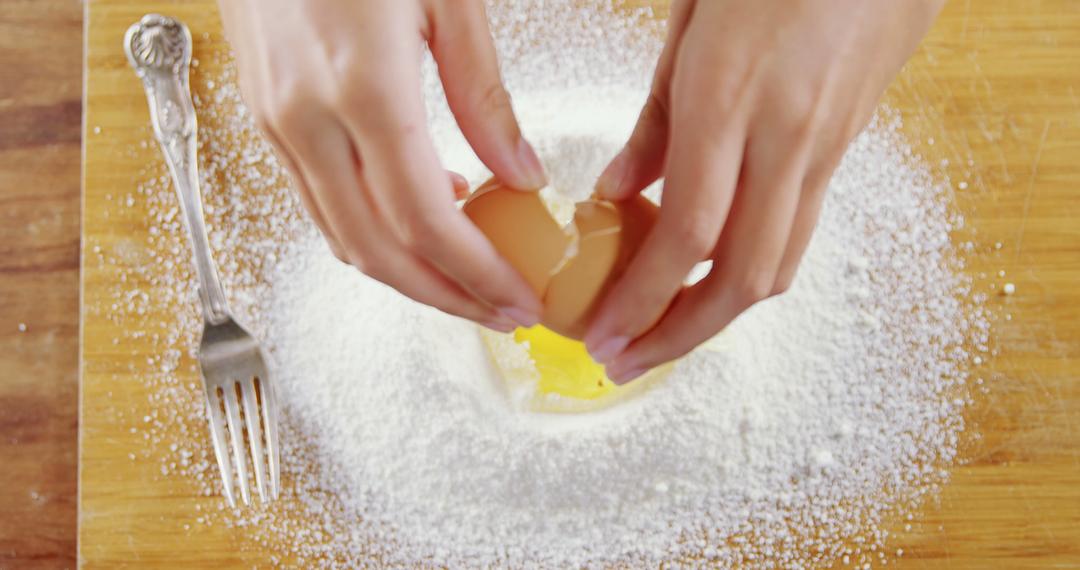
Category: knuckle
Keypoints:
(362, 91)
(338, 252)
(422, 233)
(493, 98)
(802, 112)
(377, 110)
(727, 95)
(833, 155)
(262, 117)
(817, 181)
(655, 110)
(361, 264)
(261, 113)
(372, 267)
(696, 234)
(714, 96)
(752, 288)
(781, 286)
(353, 254)
(289, 118)
(653, 120)
(288, 108)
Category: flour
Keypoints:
(795, 437)
(797, 421)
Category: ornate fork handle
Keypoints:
(159, 48)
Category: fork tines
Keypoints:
(259, 431)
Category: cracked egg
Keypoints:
(569, 267)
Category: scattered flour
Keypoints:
(794, 438)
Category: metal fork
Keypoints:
(232, 363)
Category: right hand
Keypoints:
(336, 87)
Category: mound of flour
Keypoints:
(795, 437)
(802, 422)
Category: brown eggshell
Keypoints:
(570, 270)
(522, 230)
(573, 290)
(610, 235)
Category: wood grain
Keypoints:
(40, 123)
(996, 83)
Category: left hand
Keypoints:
(751, 109)
(336, 87)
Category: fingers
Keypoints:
(304, 191)
(441, 234)
(361, 91)
(747, 264)
(462, 46)
(641, 161)
(410, 188)
(806, 217)
(421, 282)
(460, 185)
(407, 274)
(701, 176)
(327, 160)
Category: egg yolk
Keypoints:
(564, 365)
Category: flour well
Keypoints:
(793, 438)
(796, 422)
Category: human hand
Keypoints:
(336, 87)
(751, 109)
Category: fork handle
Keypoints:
(159, 48)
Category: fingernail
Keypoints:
(532, 172)
(625, 377)
(614, 176)
(606, 351)
(520, 316)
(500, 326)
(458, 182)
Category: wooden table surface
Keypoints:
(40, 120)
(997, 82)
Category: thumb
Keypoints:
(641, 161)
(462, 46)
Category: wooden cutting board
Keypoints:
(996, 83)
